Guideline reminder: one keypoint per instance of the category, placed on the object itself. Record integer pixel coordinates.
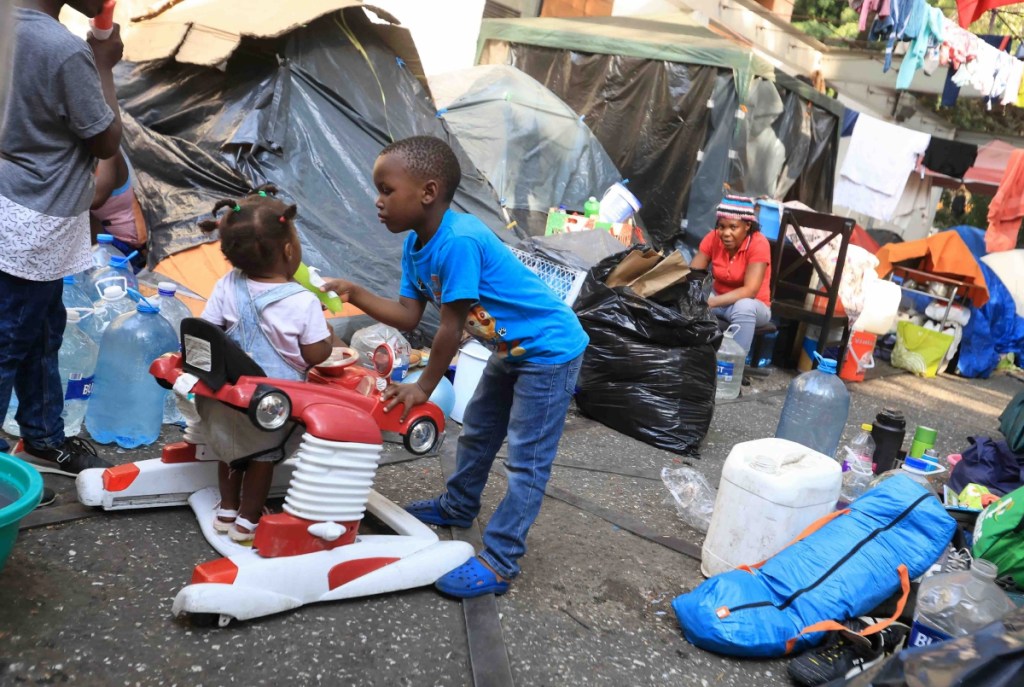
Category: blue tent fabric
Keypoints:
(995, 328)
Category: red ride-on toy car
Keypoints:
(312, 551)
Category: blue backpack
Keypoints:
(842, 566)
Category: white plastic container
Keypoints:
(881, 304)
(618, 204)
(472, 360)
(771, 490)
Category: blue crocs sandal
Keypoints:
(429, 511)
(471, 579)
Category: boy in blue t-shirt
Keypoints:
(454, 261)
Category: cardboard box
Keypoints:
(646, 272)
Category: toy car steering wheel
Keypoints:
(349, 356)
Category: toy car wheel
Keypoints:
(421, 438)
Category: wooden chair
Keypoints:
(792, 274)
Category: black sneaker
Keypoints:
(49, 496)
(845, 655)
(73, 456)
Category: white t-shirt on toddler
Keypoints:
(297, 319)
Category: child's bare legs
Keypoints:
(230, 482)
(256, 482)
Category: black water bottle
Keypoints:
(888, 431)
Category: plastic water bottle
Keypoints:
(591, 208)
(77, 363)
(98, 280)
(104, 250)
(114, 302)
(127, 403)
(817, 405)
(729, 366)
(861, 449)
(951, 605)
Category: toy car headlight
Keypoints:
(269, 408)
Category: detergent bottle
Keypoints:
(311, 279)
(127, 404)
(816, 408)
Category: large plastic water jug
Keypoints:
(76, 362)
(171, 307)
(104, 250)
(958, 603)
(10, 424)
(729, 364)
(174, 311)
(817, 405)
(74, 297)
(114, 302)
(127, 403)
(770, 491)
(97, 280)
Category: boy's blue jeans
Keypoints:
(32, 319)
(527, 402)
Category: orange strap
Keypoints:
(831, 625)
(808, 531)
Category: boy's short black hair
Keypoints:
(428, 157)
(254, 230)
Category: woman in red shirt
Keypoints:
(740, 260)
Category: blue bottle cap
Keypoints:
(917, 464)
(104, 238)
(70, 279)
(826, 365)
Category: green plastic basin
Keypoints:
(29, 485)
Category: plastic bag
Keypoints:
(693, 496)
(367, 339)
(649, 371)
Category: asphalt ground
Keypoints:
(88, 601)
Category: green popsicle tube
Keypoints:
(311, 279)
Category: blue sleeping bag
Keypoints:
(846, 568)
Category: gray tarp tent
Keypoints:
(308, 110)
(681, 110)
(531, 146)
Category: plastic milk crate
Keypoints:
(564, 281)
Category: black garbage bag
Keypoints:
(991, 657)
(649, 371)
